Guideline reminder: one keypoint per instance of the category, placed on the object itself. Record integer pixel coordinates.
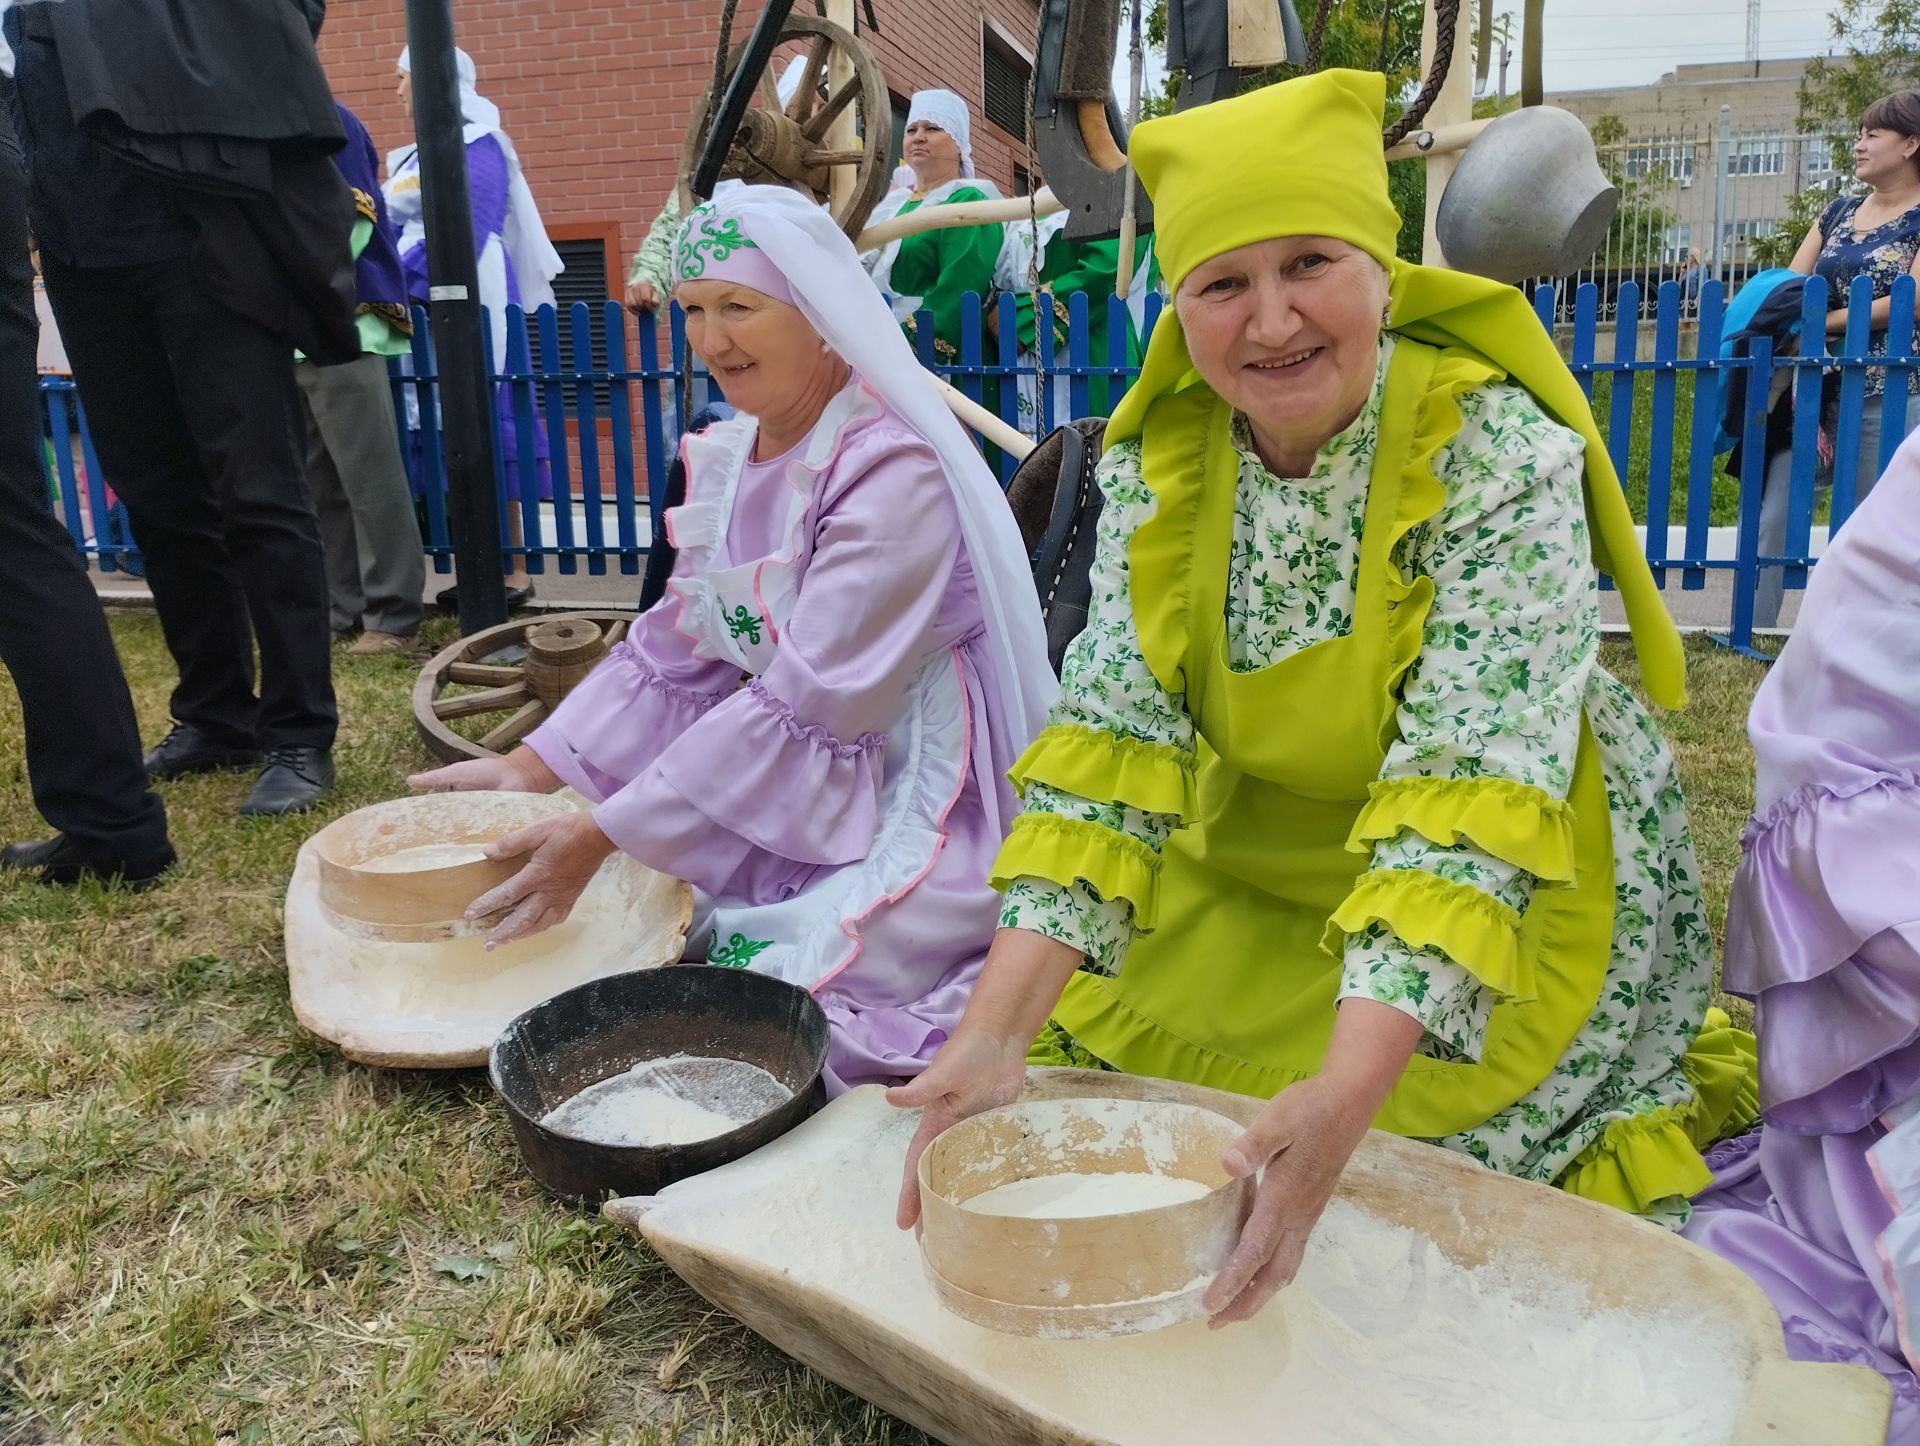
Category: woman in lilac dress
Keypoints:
(815, 725)
(1823, 933)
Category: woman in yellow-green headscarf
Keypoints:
(1337, 805)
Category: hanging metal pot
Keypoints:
(1527, 199)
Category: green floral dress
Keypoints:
(1509, 658)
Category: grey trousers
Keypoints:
(1773, 503)
(376, 571)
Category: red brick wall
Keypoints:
(596, 95)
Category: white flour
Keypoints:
(422, 857)
(680, 1100)
(1061, 1197)
(1381, 1341)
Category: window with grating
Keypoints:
(899, 142)
(585, 279)
(1006, 86)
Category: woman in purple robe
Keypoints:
(1821, 1205)
(516, 263)
(814, 726)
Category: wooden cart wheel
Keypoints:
(459, 684)
(788, 145)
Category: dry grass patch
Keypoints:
(215, 1230)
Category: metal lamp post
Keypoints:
(459, 343)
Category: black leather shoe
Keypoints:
(448, 599)
(187, 749)
(60, 861)
(294, 778)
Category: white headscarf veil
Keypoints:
(949, 112)
(833, 293)
(524, 234)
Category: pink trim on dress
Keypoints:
(850, 927)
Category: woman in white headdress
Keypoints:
(517, 264)
(935, 269)
(814, 726)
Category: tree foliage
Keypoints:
(1637, 237)
(1881, 39)
(1776, 248)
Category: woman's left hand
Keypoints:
(1304, 1138)
(561, 857)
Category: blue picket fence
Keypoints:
(611, 427)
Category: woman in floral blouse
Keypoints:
(1337, 805)
(1876, 235)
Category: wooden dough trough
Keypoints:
(1471, 1214)
(383, 965)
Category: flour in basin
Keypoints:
(679, 1100)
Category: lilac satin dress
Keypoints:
(799, 729)
(1822, 1205)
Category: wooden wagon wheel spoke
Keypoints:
(487, 700)
(560, 650)
(800, 144)
(485, 675)
(801, 106)
(515, 728)
(817, 123)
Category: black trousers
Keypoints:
(197, 423)
(83, 744)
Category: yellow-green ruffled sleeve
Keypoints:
(1111, 775)
(1469, 814)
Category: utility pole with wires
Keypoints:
(1753, 32)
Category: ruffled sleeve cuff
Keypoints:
(1515, 822)
(791, 788)
(619, 719)
(1641, 1162)
(1066, 850)
(1108, 768)
(1475, 930)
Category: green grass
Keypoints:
(215, 1230)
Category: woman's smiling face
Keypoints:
(1287, 332)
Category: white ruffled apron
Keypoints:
(738, 610)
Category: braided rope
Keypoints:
(1316, 34)
(1446, 30)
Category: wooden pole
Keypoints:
(459, 344)
(967, 213)
(843, 134)
(1453, 107)
(1014, 443)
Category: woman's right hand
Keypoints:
(521, 771)
(973, 1071)
(642, 299)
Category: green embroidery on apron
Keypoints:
(741, 623)
(739, 951)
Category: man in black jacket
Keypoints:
(193, 232)
(83, 743)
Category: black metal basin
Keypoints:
(599, 1029)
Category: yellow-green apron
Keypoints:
(1236, 985)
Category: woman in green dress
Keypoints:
(1039, 256)
(1337, 806)
(933, 270)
